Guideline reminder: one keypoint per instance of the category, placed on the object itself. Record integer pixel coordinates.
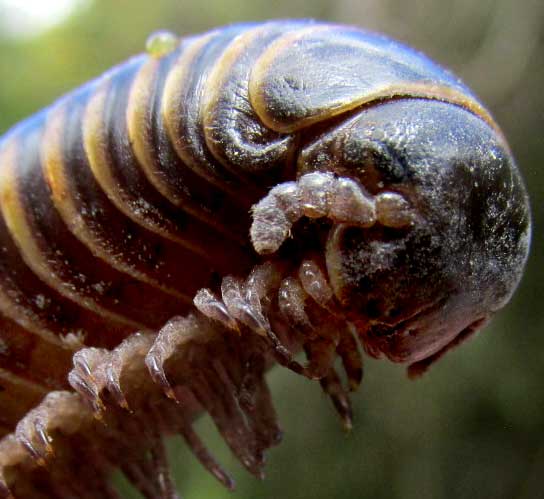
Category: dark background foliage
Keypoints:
(473, 427)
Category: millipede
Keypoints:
(223, 203)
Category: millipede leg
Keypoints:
(226, 415)
(203, 455)
(352, 361)
(256, 402)
(161, 469)
(96, 472)
(174, 338)
(333, 388)
(130, 352)
(243, 303)
(137, 476)
(88, 376)
(321, 353)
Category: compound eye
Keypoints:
(389, 164)
(377, 164)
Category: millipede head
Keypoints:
(452, 223)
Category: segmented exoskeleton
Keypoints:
(188, 219)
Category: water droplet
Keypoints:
(161, 43)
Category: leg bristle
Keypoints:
(256, 402)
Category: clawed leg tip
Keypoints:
(41, 457)
(347, 424)
(116, 392)
(123, 404)
(98, 408)
(99, 416)
(171, 394)
(41, 462)
(255, 465)
(276, 437)
(158, 375)
(227, 481)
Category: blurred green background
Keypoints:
(474, 426)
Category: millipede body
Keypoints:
(201, 212)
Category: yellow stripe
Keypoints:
(56, 174)
(172, 108)
(139, 129)
(215, 83)
(23, 236)
(94, 138)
